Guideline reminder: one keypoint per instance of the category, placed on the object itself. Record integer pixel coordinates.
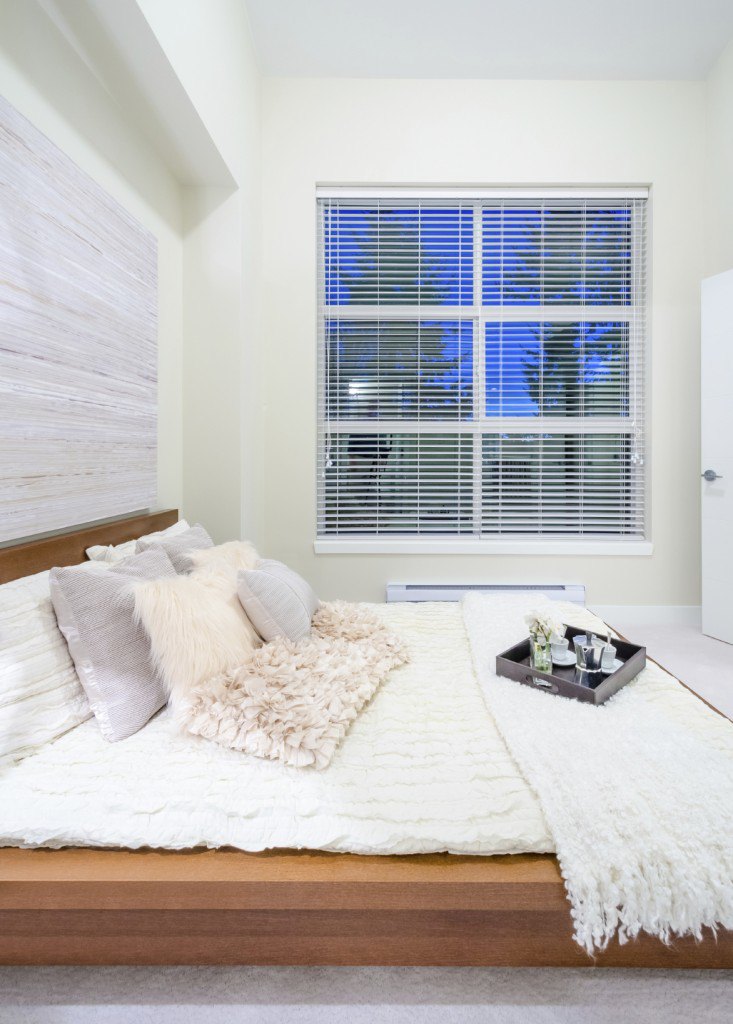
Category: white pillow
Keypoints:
(196, 625)
(110, 649)
(115, 552)
(41, 697)
(278, 601)
(180, 548)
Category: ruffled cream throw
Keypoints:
(294, 701)
(637, 793)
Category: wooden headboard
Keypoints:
(70, 548)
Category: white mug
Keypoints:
(559, 647)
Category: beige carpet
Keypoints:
(315, 995)
(699, 661)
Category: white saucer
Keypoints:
(566, 661)
(617, 663)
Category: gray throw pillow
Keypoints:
(94, 608)
(178, 548)
(278, 601)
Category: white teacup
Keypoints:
(559, 648)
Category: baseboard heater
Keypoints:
(455, 591)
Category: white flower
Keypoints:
(544, 624)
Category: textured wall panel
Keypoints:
(78, 348)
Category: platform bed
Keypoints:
(92, 906)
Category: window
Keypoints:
(481, 368)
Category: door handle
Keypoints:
(711, 475)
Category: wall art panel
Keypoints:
(78, 343)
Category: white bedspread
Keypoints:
(423, 769)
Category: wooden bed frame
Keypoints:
(89, 906)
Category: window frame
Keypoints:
(635, 314)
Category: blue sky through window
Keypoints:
(400, 369)
(399, 255)
(556, 368)
(554, 256)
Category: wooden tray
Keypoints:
(515, 664)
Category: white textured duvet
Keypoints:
(422, 769)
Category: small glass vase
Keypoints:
(540, 652)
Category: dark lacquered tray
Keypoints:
(515, 664)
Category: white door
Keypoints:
(716, 467)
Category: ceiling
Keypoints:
(565, 39)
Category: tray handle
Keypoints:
(541, 684)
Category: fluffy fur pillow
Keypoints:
(196, 625)
(234, 555)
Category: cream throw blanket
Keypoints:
(294, 701)
(637, 793)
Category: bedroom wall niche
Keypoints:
(78, 343)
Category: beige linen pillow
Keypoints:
(110, 650)
(116, 552)
(180, 548)
(278, 601)
(197, 627)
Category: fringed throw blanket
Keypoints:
(294, 701)
(637, 793)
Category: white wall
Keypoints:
(41, 75)
(237, 389)
(209, 46)
(208, 237)
(485, 132)
(719, 241)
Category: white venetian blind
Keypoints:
(481, 364)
